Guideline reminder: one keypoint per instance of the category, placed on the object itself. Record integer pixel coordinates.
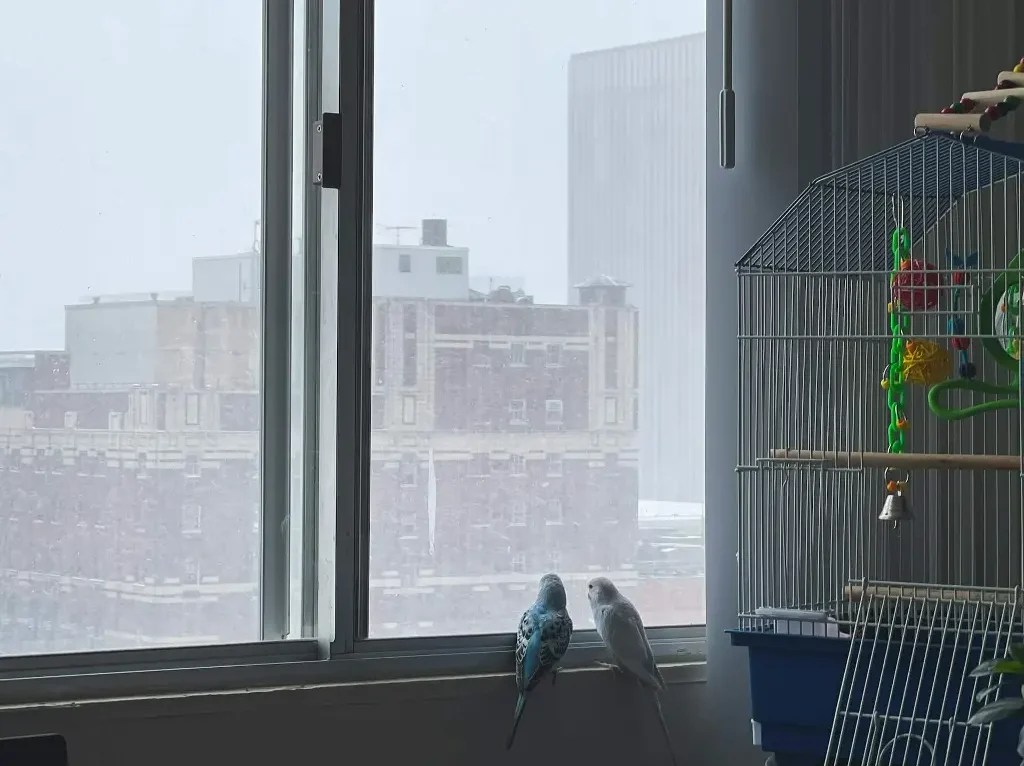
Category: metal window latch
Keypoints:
(327, 151)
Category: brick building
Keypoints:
(502, 446)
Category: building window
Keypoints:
(377, 411)
(519, 563)
(516, 465)
(480, 355)
(191, 409)
(409, 410)
(404, 263)
(553, 412)
(191, 518)
(553, 355)
(449, 264)
(611, 363)
(555, 512)
(192, 466)
(517, 411)
(407, 471)
(554, 465)
(517, 515)
(143, 408)
(517, 354)
(611, 410)
(480, 465)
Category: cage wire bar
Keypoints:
(816, 460)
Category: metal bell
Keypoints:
(896, 509)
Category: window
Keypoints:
(517, 514)
(480, 465)
(143, 408)
(305, 523)
(517, 354)
(408, 410)
(408, 471)
(135, 367)
(517, 411)
(404, 263)
(518, 565)
(191, 518)
(555, 515)
(553, 355)
(191, 409)
(611, 410)
(449, 264)
(509, 377)
(377, 411)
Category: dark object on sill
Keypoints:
(44, 750)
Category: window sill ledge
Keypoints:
(326, 693)
(30, 683)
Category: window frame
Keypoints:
(333, 647)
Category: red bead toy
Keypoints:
(916, 286)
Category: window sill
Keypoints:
(28, 683)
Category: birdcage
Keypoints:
(879, 470)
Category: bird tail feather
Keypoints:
(664, 728)
(520, 704)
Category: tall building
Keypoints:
(502, 446)
(637, 191)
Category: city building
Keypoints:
(502, 446)
(637, 213)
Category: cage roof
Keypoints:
(843, 220)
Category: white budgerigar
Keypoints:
(619, 625)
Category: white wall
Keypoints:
(422, 281)
(227, 278)
(112, 343)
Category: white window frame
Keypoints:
(517, 354)
(512, 417)
(336, 388)
(552, 406)
(192, 409)
(408, 410)
(611, 410)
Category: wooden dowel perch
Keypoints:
(1017, 78)
(994, 96)
(910, 461)
(929, 592)
(953, 123)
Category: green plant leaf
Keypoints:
(998, 711)
(998, 666)
(989, 691)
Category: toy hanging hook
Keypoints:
(897, 219)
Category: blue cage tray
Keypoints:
(795, 682)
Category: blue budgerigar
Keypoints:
(619, 625)
(541, 641)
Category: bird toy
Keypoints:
(894, 377)
(956, 325)
(995, 111)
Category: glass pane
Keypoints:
(130, 168)
(538, 368)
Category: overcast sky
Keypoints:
(130, 136)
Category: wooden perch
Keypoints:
(927, 592)
(989, 97)
(977, 122)
(909, 461)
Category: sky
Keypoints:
(130, 137)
